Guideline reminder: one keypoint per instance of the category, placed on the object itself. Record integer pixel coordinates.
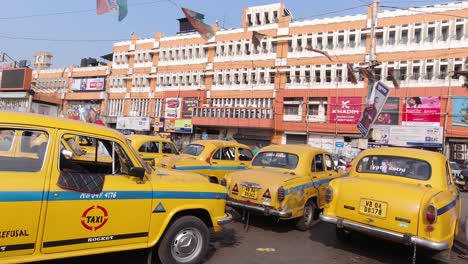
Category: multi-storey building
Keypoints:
(282, 91)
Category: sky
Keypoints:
(23, 22)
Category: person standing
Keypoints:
(256, 149)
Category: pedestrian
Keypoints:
(465, 256)
(256, 149)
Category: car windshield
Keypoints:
(193, 149)
(276, 160)
(395, 166)
(454, 166)
(147, 168)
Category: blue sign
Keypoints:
(339, 144)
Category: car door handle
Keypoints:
(214, 162)
(242, 163)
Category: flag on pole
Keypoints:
(196, 20)
(324, 53)
(117, 7)
(257, 38)
(394, 75)
(351, 75)
(367, 73)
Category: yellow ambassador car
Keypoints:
(153, 149)
(211, 158)
(401, 194)
(287, 181)
(55, 205)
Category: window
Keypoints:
(352, 41)
(363, 40)
(402, 73)
(391, 37)
(317, 163)
(447, 174)
(149, 147)
(245, 154)
(292, 105)
(379, 36)
(456, 68)
(458, 32)
(443, 71)
(319, 43)
(416, 73)
(317, 78)
(341, 41)
(276, 160)
(193, 149)
(417, 36)
(29, 154)
(444, 33)
(430, 34)
(395, 166)
(328, 77)
(168, 148)
(404, 36)
(228, 153)
(330, 43)
(329, 162)
(429, 72)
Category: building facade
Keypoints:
(280, 90)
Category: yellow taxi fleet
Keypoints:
(55, 205)
(211, 158)
(401, 194)
(153, 149)
(286, 181)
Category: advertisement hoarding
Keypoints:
(158, 124)
(389, 113)
(416, 136)
(189, 104)
(345, 110)
(421, 111)
(460, 111)
(134, 123)
(172, 109)
(183, 126)
(88, 84)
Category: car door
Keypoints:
(150, 150)
(223, 161)
(319, 175)
(244, 157)
(24, 167)
(330, 166)
(81, 216)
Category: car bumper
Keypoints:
(225, 220)
(260, 209)
(398, 237)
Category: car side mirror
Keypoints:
(67, 153)
(151, 162)
(137, 172)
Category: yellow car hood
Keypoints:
(162, 174)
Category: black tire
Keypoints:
(342, 235)
(309, 217)
(186, 227)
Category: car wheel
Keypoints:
(342, 234)
(186, 241)
(309, 217)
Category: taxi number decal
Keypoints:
(16, 247)
(94, 218)
(249, 192)
(374, 208)
(106, 195)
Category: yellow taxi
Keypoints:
(153, 149)
(211, 158)
(55, 205)
(401, 194)
(286, 181)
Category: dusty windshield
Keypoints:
(276, 160)
(395, 166)
(454, 166)
(193, 149)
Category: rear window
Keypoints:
(276, 160)
(395, 166)
(193, 149)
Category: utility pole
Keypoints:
(372, 56)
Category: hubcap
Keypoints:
(187, 245)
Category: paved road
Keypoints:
(319, 245)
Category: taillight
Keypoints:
(348, 165)
(328, 194)
(235, 189)
(280, 195)
(223, 182)
(431, 214)
(267, 194)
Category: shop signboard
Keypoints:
(172, 109)
(345, 110)
(416, 136)
(134, 123)
(421, 111)
(183, 126)
(189, 104)
(159, 124)
(169, 125)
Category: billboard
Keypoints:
(16, 79)
(389, 113)
(416, 136)
(377, 99)
(88, 84)
(158, 124)
(460, 111)
(84, 111)
(421, 111)
(172, 109)
(169, 125)
(133, 123)
(345, 110)
(189, 104)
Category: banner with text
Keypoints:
(421, 111)
(389, 113)
(172, 108)
(189, 104)
(88, 84)
(377, 99)
(345, 110)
